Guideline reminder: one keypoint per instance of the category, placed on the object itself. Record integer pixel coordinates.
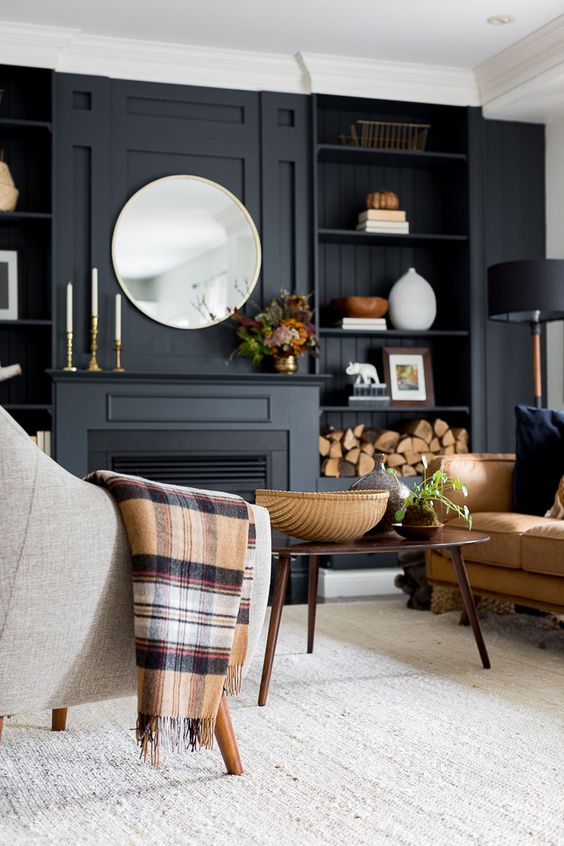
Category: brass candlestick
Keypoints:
(93, 364)
(69, 366)
(117, 346)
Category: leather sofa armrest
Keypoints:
(488, 477)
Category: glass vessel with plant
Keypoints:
(283, 330)
(419, 507)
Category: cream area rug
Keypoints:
(390, 733)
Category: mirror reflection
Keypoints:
(186, 251)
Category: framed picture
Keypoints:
(8, 285)
(409, 376)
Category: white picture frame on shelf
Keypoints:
(408, 373)
(8, 285)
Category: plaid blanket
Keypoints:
(192, 569)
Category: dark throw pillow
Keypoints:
(539, 461)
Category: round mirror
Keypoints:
(186, 251)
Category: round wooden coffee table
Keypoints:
(285, 549)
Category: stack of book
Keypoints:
(372, 324)
(43, 441)
(383, 221)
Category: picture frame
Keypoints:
(8, 285)
(409, 375)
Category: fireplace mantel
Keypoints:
(87, 403)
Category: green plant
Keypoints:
(284, 327)
(419, 507)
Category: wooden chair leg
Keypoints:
(59, 719)
(226, 741)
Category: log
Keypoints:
(435, 446)
(395, 460)
(420, 468)
(408, 470)
(346, 468)
(404, 444)
(353, 455)
(461, 447)
(370, 435)
(367, 448)
(336, 450)
(429, 456)
(448, 438)
(366, 464)
(419, 445)
(349, 440)
(324, 445)
(419, 428)
(335, 435)
(330, 467)
(448, 450)
(358, 430)
(439, 427)
(386, 441)
(460, 434)
(412, 458)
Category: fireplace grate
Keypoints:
(241, 474)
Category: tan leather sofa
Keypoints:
(524, 560)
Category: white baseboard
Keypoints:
(342, 584)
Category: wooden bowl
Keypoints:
(334, 517)
(360, 306)
(417, 532)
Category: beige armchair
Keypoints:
(66, 610)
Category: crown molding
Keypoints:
(390, 80)
(34, 46)
(526, 81)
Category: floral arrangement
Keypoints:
(282, 329)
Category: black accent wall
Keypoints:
(113, 137)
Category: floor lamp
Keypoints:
(530, 292)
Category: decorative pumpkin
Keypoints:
(382, 200)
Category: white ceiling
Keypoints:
(436, 32)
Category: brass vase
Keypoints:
(286, 364)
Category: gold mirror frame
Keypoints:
(245, 213)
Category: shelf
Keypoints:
(336, 332)
(394, 409)
(402, 158)
(14, 128)
(22, 324)
(28, 407)
(351, 236)
(24, 217)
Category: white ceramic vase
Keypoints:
(412, 302)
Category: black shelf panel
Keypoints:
(27, 407)
(350, 236)
(460, 409)
(15, 128)
(336, 332)
(387, 158)
(24, 217)
(22, 324)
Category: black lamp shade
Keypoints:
(526, 291)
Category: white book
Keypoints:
(40, 441)
(47, 444)
(369, 321)
(402, 228)
(364, 328)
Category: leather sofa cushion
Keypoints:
(542, 548)
(506, 531)
(488, 478)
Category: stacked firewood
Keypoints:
(349, 452)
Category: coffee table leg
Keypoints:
(312, 600)
(469, 605)
(280, 585)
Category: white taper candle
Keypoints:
(118, 317)
(69, 307)
(94, 290)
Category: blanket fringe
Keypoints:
(172, 734)
(233, 680)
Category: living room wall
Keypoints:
(555, 249)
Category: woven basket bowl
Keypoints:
(327, 517)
